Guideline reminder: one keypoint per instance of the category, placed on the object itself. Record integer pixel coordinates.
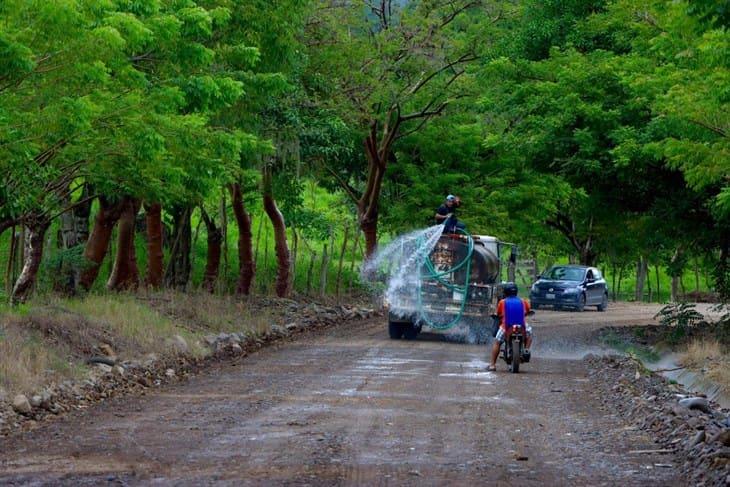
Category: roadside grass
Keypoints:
(205, 312)
(711, 357)
(27, 363)
(50, 339)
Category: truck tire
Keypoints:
(410, 331)
(395, 329)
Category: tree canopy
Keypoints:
(596, 130)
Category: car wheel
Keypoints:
(604, 303)
(581, 303)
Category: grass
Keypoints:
(50, 339)
(26, 363)
(711, 357)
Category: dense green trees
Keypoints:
(596, 130)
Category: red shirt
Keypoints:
(500, 309)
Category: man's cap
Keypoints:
(450, 197)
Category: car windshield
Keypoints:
(564, 274)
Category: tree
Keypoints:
(392, 67)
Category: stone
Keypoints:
(21, 404)
(698, 438)
(696, 423)
(277, 330)
(292, 326)
(119, 370)
(170, 373)
(104, 368)
(35, 401)
(696, 403)
(236, 348)
(46, 399)
(723, 437)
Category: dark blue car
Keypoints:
(570, 286)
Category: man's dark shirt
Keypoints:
(445, 210)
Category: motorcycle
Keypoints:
(513, 349)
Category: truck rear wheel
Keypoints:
(410, 331)
(395, 329)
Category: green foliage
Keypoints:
(680, 315)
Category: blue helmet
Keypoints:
(510, 289)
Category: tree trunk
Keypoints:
(640, 279)
(246, 265)
(224, 236)
(675, 289)
(125, 273)
(613, 281)
(34, 235)
(620, 277)
(155, 254)
(676, 273)
(323, 271)
(98, 242)
(9, 278)
(213, 256)
(5, 224)
(177, 273)
(310, 271)
(697, 276)
(294, 256)
(282, 247)
(74, 231)
(377, 152)
(658, 289)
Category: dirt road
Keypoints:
(349, 406)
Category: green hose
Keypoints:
(434, 274)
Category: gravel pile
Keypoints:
(110, 376)
(693, 429)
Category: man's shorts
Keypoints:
(504, 332)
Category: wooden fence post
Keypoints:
(342, 256)
(295, 252)
(310, 270)
(352, 263)
(323, 271)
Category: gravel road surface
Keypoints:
(348, 406)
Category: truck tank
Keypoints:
(452, 249)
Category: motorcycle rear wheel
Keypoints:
(516, 357)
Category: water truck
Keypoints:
(456, 290)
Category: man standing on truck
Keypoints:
(512, 310)
(446, 214)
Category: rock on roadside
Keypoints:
(21, 405)
(695, 429)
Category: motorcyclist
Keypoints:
(446, 214)
(512, 310)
